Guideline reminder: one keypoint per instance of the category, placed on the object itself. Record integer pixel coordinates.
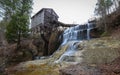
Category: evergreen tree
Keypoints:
(17, 12)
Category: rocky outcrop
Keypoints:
(47, 43)
(26, 52)
(10, 55)
(39, 43)
(54, 42)
(112, 68)
(102, 69)
(95, 33)
(29, 49)
(100, 57)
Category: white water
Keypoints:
(88, 32)
(72, 36)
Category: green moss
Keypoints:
(43, 69)
(105, 34)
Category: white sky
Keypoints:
(69, 11)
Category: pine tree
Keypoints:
(17, 13)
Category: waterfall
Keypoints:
(77, 33)
(88, 32)
(72, 36)
(90, 26)
(74, 33)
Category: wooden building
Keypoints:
(43, 19)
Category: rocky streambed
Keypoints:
(96, 52)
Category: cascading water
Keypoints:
(88, 32)
(72, 36)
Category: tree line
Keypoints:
(104, 8)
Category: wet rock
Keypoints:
(69, 58)
(81, 46)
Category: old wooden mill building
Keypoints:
(44, 23)
(46, 20)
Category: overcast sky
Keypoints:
(69, 11)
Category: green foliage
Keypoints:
(102, 7)
(11, 30)
(17, 25)
(17, 13)
(8, 8)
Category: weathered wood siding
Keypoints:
(38, 19)
(49, 16)
(43, 21)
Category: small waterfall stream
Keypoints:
(72, 36)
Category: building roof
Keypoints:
(43, 10)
